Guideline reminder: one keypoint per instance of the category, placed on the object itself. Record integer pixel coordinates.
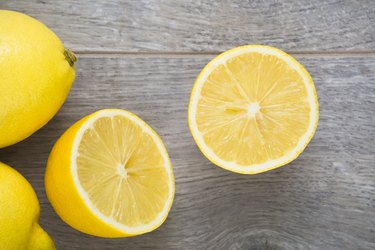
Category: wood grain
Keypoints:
(323, 200)
(201, 26)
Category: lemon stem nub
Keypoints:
(70, 57)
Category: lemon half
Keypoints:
(253, 108)
(110, 175)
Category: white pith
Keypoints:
(253, 109)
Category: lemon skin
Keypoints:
(19, 214)
(36, 74)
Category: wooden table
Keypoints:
(143, 56)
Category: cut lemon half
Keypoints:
(252, 109)
(110, 175)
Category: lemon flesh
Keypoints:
(36, 76)
(118, 172)
(19, 214)
(252, 109)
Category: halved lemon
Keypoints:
(252, 109)
(110, 175)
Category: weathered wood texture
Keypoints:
(197, 25)
(323, 200)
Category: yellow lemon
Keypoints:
(36, 73)
(110, 175)
(252, 109)
(19, 214)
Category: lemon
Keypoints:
(19, 213)
(110, 175)
(253, 108)
(36, 73)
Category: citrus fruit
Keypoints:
(36, 75)
(19, 214)
(253, 108)
(110, 175)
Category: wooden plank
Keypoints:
(201, 26)
(323, 200)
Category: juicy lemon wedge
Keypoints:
(110, 175)
(252, 109)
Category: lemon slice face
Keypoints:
(121, 174)
(252, 109)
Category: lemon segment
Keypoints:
(252, 109)
(119, 173)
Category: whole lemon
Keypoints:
(19, 213)
(36, 74)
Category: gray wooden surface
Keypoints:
(143, 56)
(196, 25)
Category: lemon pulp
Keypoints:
(122, 172)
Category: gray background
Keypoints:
(143, 56)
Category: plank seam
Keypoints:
(177, 54)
